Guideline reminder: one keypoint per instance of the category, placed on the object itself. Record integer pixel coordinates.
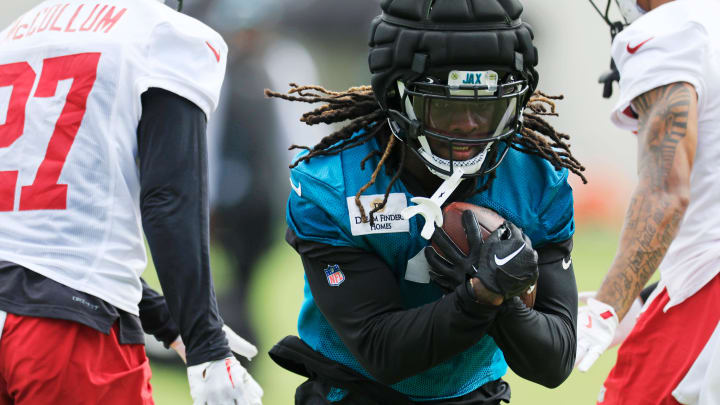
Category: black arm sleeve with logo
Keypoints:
(539, 344)
(366, 311)
(173, 199)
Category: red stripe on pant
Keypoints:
(51, 361)
(661, 349)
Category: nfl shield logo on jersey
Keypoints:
(334, 275)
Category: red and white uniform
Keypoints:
(680, 42)
(71, 76)
(676, 42)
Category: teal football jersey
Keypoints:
(527, 191)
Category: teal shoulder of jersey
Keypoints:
(527, 191)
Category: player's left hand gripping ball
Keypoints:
(223, 382)
(450, 266)
(597, 322)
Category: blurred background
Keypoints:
(258, 277)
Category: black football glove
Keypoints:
(451, 267)
(506, 263)
(509, 264)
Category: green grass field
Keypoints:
(276, 298)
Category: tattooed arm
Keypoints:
(667, 138)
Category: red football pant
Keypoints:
(661, 348)
(51, 361)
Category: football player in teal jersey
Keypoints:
(453, 113)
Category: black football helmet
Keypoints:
(437, 65)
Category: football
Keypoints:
(488, 220)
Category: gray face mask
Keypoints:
(630, 10)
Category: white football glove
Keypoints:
(627, 323)
(208, 384)
(239, 345)
(597, 322)
(222, 382)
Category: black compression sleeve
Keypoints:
(173, 200)
(155, 316)
(368, 314)
(539, 344)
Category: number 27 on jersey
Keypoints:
(44, 193)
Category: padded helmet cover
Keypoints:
(453, 34)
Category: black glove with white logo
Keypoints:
(509, 264)
(506, 262)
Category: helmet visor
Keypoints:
(466, 119)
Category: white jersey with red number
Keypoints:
(680, 42)
(71, 76)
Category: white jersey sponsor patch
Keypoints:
(387, 220)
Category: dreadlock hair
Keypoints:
(358, 105)
(541, 139)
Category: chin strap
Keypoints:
(430, 208)
(613, 75)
